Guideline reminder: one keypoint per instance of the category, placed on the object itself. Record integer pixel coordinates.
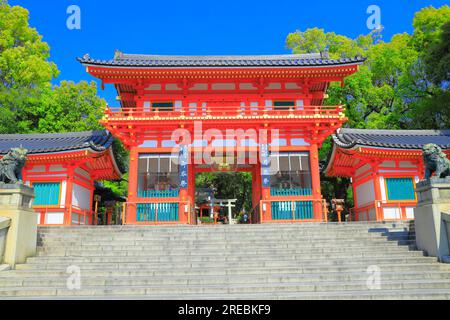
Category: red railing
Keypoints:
(186, 212)
(84, 217)
(266, 208)
(226, 111)
(378, 209)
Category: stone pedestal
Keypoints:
(431, 227)
(16, 204)
(4, 226)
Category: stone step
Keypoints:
(367, 261)
(344, 295)
(423, 294)
(60, 281)
(232, 270)
(62, 253)
(127, 258)
(364, 224)
(226, 289)
(218, 241)
(217, 231)
(234, 243)
(289, 247)
(266, 235)
(277, 261)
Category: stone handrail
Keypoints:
(4, 226)
(446, 219)
(432, 221)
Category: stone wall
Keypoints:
(16, 205)
(4, 226)
(432, 223)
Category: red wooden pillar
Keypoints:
(139, 98)
(266, 208)
(257, 188)
(132, 186)
(377, 188)
(191, 185)
(315, 176)
(69, 194)
(355, 199)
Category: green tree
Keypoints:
(234, 185)
(392, 89)
(70, 107)
(25, 72)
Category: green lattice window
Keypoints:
(400, 189)
(163, 106)
(284, 105)
(47, 194)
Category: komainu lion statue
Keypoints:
(435, 162)
(11, 166)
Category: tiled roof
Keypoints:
(394, 139)
(290, 60)
(53, 143)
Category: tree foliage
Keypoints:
(25, 72)
(233, 185)
(402, 84)
(29, 103)
(71, 107)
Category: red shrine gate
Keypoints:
(184, 115)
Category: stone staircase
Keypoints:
(282, 261)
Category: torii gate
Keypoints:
(229, 203)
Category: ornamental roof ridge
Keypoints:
(281, 60)
(391, 139)
(57, 142)
(305, 56)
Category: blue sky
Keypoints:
(199, 27)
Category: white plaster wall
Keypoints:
(149, 144)
(410, 212)
(392, 213)
(388, 164)
(383, 189)
(75, 218)
(83, 173)
(154, 87)
(274, 86)
(247, 86)
(292, 85)
(363, 169)
(81, 197)
(37, 169)
(57, 168)
(200, 86)
(173, 87)
(62, 202)
(407, 164)
(365, 193)
(54, 218)
(362, 216)
(223, 86)
(299, 142)
(372, 215)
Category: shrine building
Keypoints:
(384, 167)
(183, 115)
(62, 169)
